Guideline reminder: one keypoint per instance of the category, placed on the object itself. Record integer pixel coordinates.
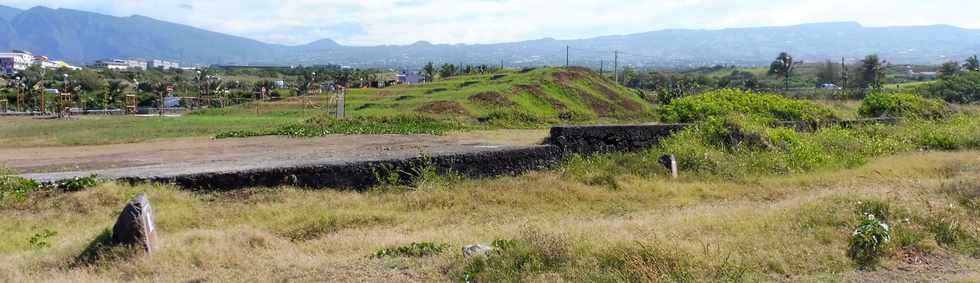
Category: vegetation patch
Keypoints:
(443, 108)
(904, 105)
(491, 98)
(325, 125)
(738, 102)
(422, 249)
(517, 260)
(15, 189)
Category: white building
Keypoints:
(112, 64)
(117, 64)
(163, 65)
(11, 63)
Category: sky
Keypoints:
(381, 22)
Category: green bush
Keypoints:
(77, 183)
(904, 105)
(720, 103)
(962, 88)
(869, 241)
(13, 188)
(412, 250)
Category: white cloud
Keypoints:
(371, 22)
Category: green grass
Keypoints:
(115, 130)
(510, 99)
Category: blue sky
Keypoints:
(378, 22)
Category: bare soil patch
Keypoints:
(443, 107)
(491, 98)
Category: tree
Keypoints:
(447, 70)
(972, 64)
(429, 72)
(113, 92)
(949, 69)
(871, 72)
(829, 73)
(783, 66)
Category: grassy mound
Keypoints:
(902, 105)
(547, 94)
(726, 102)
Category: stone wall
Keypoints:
(361, 175)
(597, 139)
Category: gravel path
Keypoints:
(197, 155)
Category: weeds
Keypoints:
(422, 249)
(324, 125)
(40, 240)
(16, 189)
(869, 241)
(515, 260)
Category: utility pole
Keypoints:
(566, 55)
(843, 71)
(601, 65)
(616, 65)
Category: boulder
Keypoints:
(135, 225)
(670, 162)
(477, 250)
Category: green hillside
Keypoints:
(564, 93)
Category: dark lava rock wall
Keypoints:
(597, 139)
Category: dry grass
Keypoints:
(779, 228)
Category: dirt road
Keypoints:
(207, 155)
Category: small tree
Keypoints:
(872, 71)
(949, 69)
(429, 72)
(972, 64)
(447, 70)
(113, 92)
(783, 66)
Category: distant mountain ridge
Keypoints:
(82, 37)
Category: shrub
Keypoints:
(962, 88)
(13, 188)
(412, 250)
(902, 105)
(78, 183)
(516, 260)
(727, 102)
(869, 240)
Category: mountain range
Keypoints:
(82, 37)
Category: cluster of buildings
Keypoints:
(18, 60)
(130, 64)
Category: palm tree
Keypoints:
(972, 64)
(783, 66)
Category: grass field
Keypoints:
(25, 132)
(534, 98)
(793, 228)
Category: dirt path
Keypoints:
(202, 154)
